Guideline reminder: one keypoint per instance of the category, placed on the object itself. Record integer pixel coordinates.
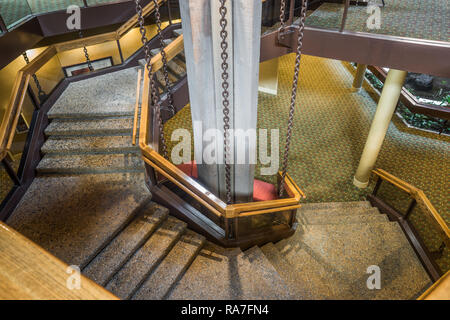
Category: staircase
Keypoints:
(89, 206)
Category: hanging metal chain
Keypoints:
(301, 29)
(86, 54)
(282, 16)
(164, 57)
(154, 93)
(41, 93)
(225, 95)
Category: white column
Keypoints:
(201, 30)
(359, 76)
(268, 76)
(385, 109)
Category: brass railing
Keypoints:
(14, 107)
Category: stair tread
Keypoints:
(178, 32)
(338, 212)
(159, 283)
(332, 260)
(340, 219)
(74, 217)
(335, 205)
(88, 144)
(105, 95)
(219, 273)
(120, 249)
(286, 271)
(146, 259)
(91, 163)
(90, 126)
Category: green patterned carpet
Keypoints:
(13, 11)
(405, 18)
(331, 125)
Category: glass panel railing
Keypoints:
(92, 3)
(50, 6)
(430, 236)
(48, 77)
(14, 11)
(407, 18)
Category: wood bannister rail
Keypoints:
(440, 290)
(14, 108)
(29, 272)
(421, 199)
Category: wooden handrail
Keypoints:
(27, 271)
(440, 290)
(124, 28)
(14, 108)
(420, 198)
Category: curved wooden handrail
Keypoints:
(421, 199)
(27, 271)
(185, 182)
(440, 290)
(14, 108)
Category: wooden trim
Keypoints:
(136, 107)
(29, 272)
(86, 42)
(184, 188)
(134, 19)
(171, 50)
(386, 176)
(39, 61)
(440, 290)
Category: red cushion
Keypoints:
(262, 191)
(189, 168)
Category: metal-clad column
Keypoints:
(201, 30)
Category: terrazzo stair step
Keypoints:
(107, 95)
(178, 32)
(338, 212)
(106, 126)
(286, 272)
(120, 249)
(176, 69)
(90, 163)
(88, 145)
(341, 219)
(333, 261)
(159, 283)
(74, 217)
(335, 205)
(220, 273)
(129, 278)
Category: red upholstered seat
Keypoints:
(189, 168)
(262, 191)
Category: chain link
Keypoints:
(164, 57)
(153, 88)
(301, 29)
(282, 16)
(41, 93)
(86, 54)
(225, 95)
